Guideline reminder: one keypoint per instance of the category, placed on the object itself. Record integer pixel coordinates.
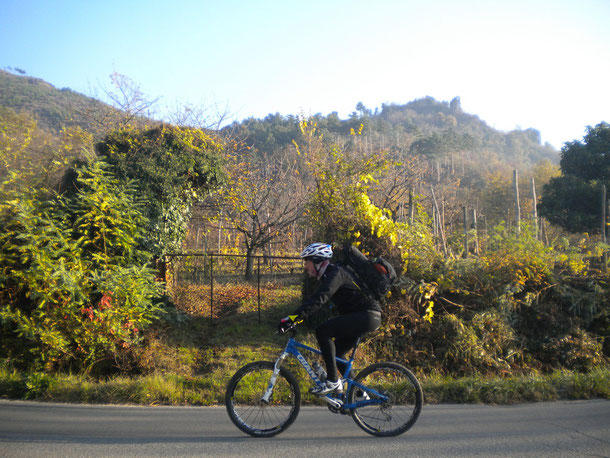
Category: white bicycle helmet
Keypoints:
(317, 252)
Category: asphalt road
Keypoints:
(556, 429)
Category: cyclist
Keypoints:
(358, 314)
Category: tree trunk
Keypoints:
(249, 263)
(161, 264)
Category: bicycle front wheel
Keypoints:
(404, 401)
(248, 411)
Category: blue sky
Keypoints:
(516, 63)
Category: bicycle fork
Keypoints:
(272, 380)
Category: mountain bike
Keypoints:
(263, 398)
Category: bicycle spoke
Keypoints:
(404, 399)
(244, 403)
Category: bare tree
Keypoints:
(202, 116)
(262, 200)
(125, 104)
(396, 187)
(127, 97)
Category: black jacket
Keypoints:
(338, 286)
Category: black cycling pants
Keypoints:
(338, 335)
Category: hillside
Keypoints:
(451, 128)
(53, 108)
(434, 129)
(426, 127)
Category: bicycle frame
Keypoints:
(292, 349)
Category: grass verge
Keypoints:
(208, 390)
(190, 359)
(508, 390)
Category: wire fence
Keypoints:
(216, 285)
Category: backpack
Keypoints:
(374, 277)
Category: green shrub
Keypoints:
(173, 167)
(74, 289)
(37, 385)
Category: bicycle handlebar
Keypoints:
(289, 325)
(292, 329)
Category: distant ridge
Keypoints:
(433, 128)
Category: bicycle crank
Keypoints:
(334, 403)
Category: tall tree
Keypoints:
(571, 200)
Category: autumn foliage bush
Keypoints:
(519, 305)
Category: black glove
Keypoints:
(287, 323)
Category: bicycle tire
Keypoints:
(400, 412)
(247, 410)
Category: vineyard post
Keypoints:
(465, 211)
(476, 231)
(439, 222)
(534, 208)
(411, 206)
(517, 205)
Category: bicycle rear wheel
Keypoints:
(399, 412)
(247, 410)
